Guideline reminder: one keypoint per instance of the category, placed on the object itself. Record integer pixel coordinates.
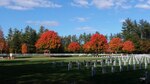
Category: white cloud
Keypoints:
(45, 23)
(81, 19)
(122, 20)
(143, 6)
(86, 29)
(28, 4)
(80, 3)
(125, 4)
(103, 3)
(4, 2)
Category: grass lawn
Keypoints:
(41, 70)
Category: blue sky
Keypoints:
(72, 16)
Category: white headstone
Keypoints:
(120, 63)
(112, 69)
(94, 64)
(102, 63)
(134, 67)
(69, 66)
(87, 65)
(130, 61)
(103, 70)
(11, 55)
(114, 63)
(93, 71)
(140, 65)
(145, 65)
(110, 60)
(108, 63)
(78, 64)
(125, 63)
(120, 68)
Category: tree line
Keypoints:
(134, 38)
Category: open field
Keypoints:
(41, 70)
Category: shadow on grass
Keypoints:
(48, 73)
(20, 57)
(13, 61)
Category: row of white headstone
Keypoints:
(112, 62)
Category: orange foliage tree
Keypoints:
(87, 47)
(49, 40)
(3, 45)
(24, 48)
(128, 46)
(74, 47)
(115, 44)
(97, 43)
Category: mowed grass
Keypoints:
(41, 70)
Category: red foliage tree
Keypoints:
(2, 45)
(24, 48)
(2, 42)
(115, 44)
(87, 47)
(74, 47)
(128, 46)
(97, 43)
(48, 40)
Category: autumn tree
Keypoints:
(87, 47)
(2, 45)
(2, 41)
(128, 46)
(96, 44)
(74, 47)
(49, 40)
(24, 48)
(115, 44)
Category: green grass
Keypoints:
(40, 70)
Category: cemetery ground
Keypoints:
(49, 70)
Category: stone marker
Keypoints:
(114, 63)
(78, 64)
(93, 71)
(145, 65)
(134, 64)
(94, 64)
(103, 70)
(130, 61)
(108, 63)
(112, 69)
(120, 66)
(140, 65)
(87, 65)
(69, 66)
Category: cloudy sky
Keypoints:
(72, 16)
